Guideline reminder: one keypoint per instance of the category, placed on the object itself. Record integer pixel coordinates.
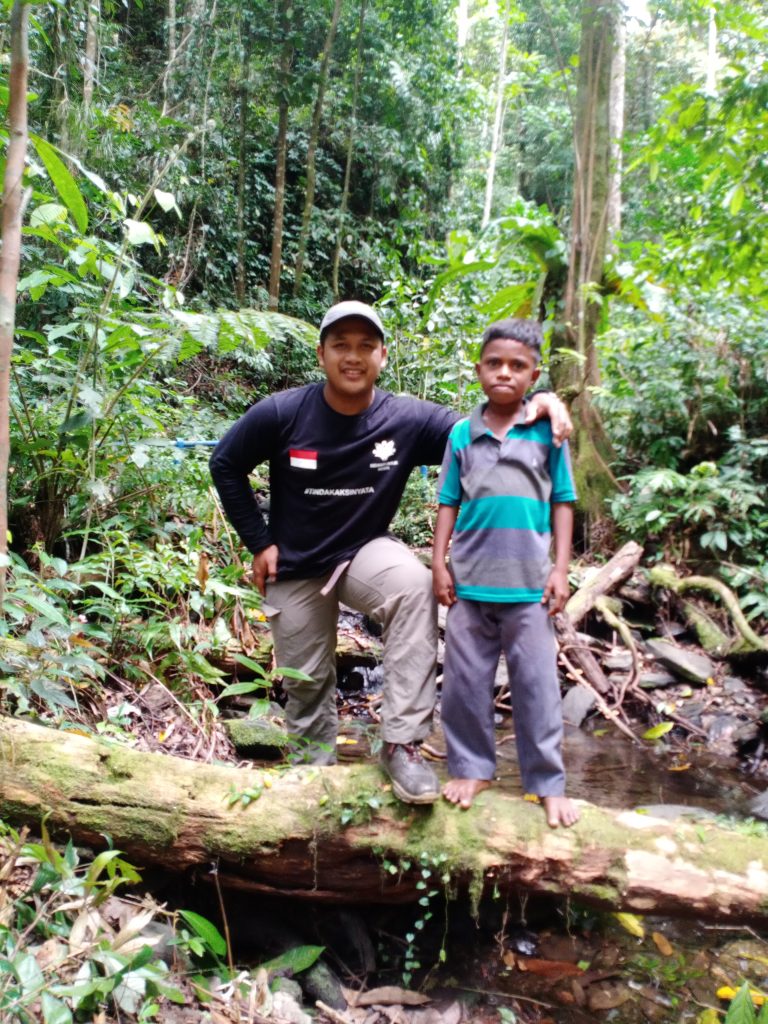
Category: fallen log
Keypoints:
(325, 833)
(604, 581)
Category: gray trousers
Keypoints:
(387, 582)
(477, 632)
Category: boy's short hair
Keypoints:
(527, 332)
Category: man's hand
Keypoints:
(442, 585)
(264, 568)
(547, 404)
(556, 592)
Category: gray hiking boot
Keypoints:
(413, 780)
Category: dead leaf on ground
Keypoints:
(662, 944)
(552, 969)
(608, 997)
(387, 995)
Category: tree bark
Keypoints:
(574, 358)
(291, 839)
(350, 149)
(498, 118)
(10, 253)
(276, 260)
(242, 158)
(91, 57)
(314, 136)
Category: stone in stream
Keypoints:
(256, 737)
(759, 805)
(656, 680)
(577, 703)
(696, 668)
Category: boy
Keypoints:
(503, 485)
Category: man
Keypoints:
(340, 453)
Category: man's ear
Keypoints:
(535, 375)
(383, 356)
(320, 355)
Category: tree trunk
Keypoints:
(350, 148)
(314, 136)
(616, 132)
(498, 119)
(321, 833)
(242, 158)
(168, 76)
(711, 82)
(91, 58)
(10, 253)
(275, 264)
(574, 357)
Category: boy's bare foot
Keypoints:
(464, 791)
(561, 810)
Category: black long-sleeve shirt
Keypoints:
(335, 480)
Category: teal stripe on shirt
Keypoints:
(499, 595)
(506, 512)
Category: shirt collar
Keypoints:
(477, 427)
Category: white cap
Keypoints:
(342, 310)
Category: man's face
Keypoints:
(353, 355)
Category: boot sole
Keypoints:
(414, 798)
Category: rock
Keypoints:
(256, 737)
(577, 703)
(287, 1010)
(618, 661)
(759, 806)
(696, 668)
(732, 684)
(289, 986)
(656, 680)
(319, 982)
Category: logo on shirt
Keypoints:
(384, 450)
(302, 459)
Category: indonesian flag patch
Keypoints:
(302, 460)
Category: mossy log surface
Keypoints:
(297, 838)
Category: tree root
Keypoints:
(665, 576)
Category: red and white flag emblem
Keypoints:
(302, 460)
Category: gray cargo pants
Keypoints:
(388, 583)
(476, 633)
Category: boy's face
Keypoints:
(506, 370)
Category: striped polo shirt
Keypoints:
(505, 489)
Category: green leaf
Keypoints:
(54, 1011)
(741, 1010)
(736, 199)
(657, 731)
(48, 213)
(42, 607)
(167, 201)
(236, 688)
(63, 182)
(208, 932)
(140, 233)
(295, 960)
(293, 673)
(254, 666)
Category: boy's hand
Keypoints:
(557, 591)
(442, 585)
(547, 404)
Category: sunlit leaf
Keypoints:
(657, 731)
(631, 923)
(63, 182)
